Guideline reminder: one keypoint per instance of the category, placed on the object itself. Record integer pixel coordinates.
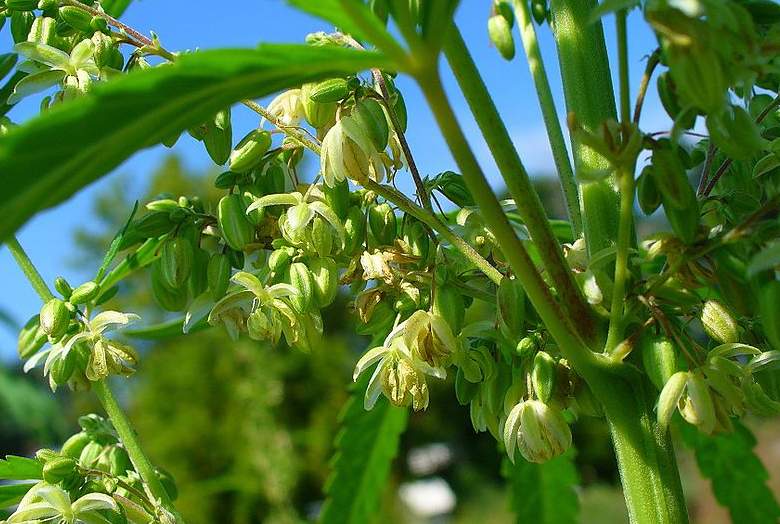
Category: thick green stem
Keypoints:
(29, 269)
(648, 470)
(519, 184)
(558, 324)
(625, 235)
(587, 87)
(550, 115)
(118, 418)
(622, 40)
(130, 441)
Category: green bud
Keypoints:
(249, 152)
(21, 24)
(454, 188)
(319, 115)
(327, 91)
(301, 279)
(500, 33)
(218, 137)
(167, 205)
(337, 198)
(90, 454)
(543, 376)
(526, 347)
(698, 74)
(325, 277)
(86, 292)
(54, 318)
(218, 275)
(416, 237)
(354, 231)
(176, 261)
(448, 303)
(31, 338)
(539, 11)
(670, 178)
(718, 322)
(77, 18)
(696, 407)
(510, 308)
(646, 191)
(62, 287)
(370, 116)
(118, 461)
(383, 223)
(168, 298)
(237, 230)
(43, 30)
(62, 369)
(280, 258)
(75, 445)
(670, 397)
(226, 180)
(236, 258)
(59, 469)
(659, 358)
(465, 391)
(152, 225)
(321, 236)
(198, 280)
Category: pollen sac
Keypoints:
(404, 385)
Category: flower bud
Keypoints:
(237, 230)
(354, 231)
(543, 376)
(370, 117)
(698, 74)
(510, 308)
(526, 347)
(659, 358)
(500, 33)
(539, 431)
(325, 276)
(328, 91)
(62, 287)
(647, 192)
(301, 279)
(58, 469)
(31, 338)
(90, 454)
(347, 152)
(85, 293)
(118, 461)
(262, 325)
(318, 114)
(465, 390)
(718, 322)
(383, 224)
(218, 137)
(54, 318)
(62, 369)
(176, 261)
(170, 299)
(249, 152)
(670, 178)
(429, 338)
(449, 304)
(77, 18)
(321, 236)
(218, 275)
(75, 445)
(539, 10)
(337, 198)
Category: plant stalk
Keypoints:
(118, 418)
(559, 325)
(625, 235)
(518, 182)
(550, 115)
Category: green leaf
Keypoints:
(765, 259)
(737, 474)
(543, 493)
(113, 249)
(142, 257)
(115, 7)
(11, 494)
(165, 330)
(365, 448)
(334, 12)
(76, 143)
(7, 90)
(20, 468)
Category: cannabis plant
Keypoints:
(539, 322)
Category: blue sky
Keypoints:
(195, 24)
